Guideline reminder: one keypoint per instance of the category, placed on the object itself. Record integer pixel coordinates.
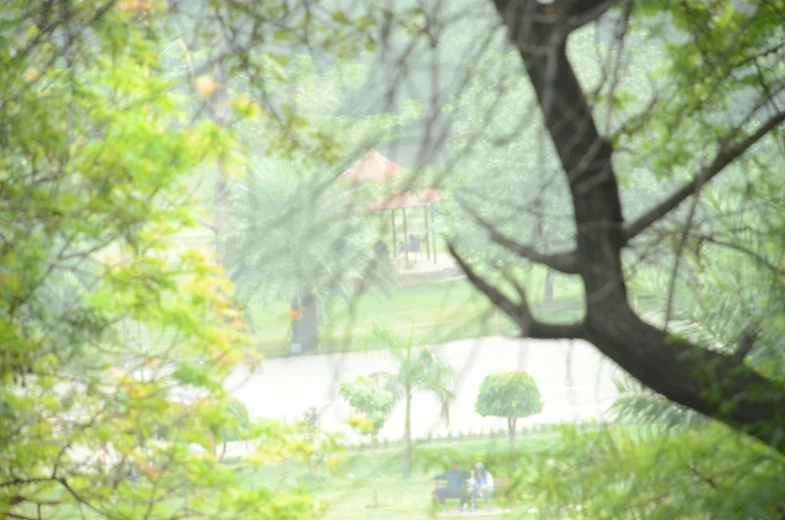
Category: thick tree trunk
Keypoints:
(305, 328)
(718, 385)
(406, 462)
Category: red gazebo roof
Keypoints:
(379, 168)
(374, 166)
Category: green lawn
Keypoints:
(348, 492)
(433, 313)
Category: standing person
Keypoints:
(381, 250)
(483, 486)
(414, 244)
(453, 488)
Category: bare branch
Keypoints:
(519, 312)
(17, 516)
(81, 500)
(677, 261)
(744, 250)
(724, 157)
(566, 262)
(207, 224)
(25, 481)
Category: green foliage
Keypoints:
(116, 338)
(292, 236)
(512, 395)
(424, 371)
(705, 472)
(736, 292)
(370, 401)
(325, 449)
(373, 404)
(637, 405)
(239, 425)
(713, 60)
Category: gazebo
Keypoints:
(376, 167)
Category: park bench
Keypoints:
(501, 486)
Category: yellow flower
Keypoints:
(32, 74)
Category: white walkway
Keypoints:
(574, 378)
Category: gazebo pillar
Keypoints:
(427, 234)
(433, 220)
(395, 241)
(405, 238)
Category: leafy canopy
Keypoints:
(371, 401)
(294, 234)
(423, 371)
(630, 473)
(115, 340)
(509, 394)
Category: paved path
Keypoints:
(574, 378)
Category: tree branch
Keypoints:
(724, 157)
(81, 500)
(566, 262)
(519, 312)
(746, 342)
(679, 370)
(17, 516)
(24, 481)
(677, 261)
(206, 224)
(582, 12)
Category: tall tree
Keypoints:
(424, 371)
(712, 57)
(95, 156)
(293, 240)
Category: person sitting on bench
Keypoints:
(483, 486)
(453, 488)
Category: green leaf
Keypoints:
(284, 35)
(340, 17)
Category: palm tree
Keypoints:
(293, 239)
(420, 371)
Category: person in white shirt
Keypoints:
(483, 486)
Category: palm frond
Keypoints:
(639, 405)
(729, 287)
(426, 371)
(292, 234)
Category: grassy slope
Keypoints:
(433, 313)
